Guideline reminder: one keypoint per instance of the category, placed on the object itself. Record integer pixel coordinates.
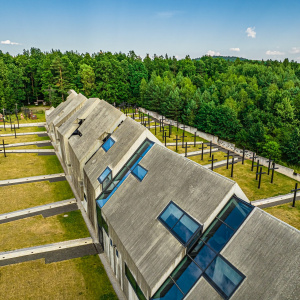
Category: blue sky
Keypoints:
(252, 29)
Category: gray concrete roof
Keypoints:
(124, 137)
(73, 104)
(266, 251)
(204, 291)
(101, 121)
(61, 107)
(133, 210)
(71, 124)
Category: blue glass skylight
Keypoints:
(108, 144)
(226, 278)
(102, 177)
(139, 172)
(124, 172)
(204, 256)
(179, 223)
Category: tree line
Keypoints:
(255, 104)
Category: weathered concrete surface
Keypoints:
(30, 179)
(273, 201)
(7, 126)
(133, 210)
(36, 209)
(21, 134)
(204, 291)
(266, 251)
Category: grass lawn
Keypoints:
(23, 139)
(78, 278)
(286, 213)
(188, 135)
(22, 130)
(217, 155)
(39, 112)
(246, 179)
(22, 196)
(34, 231)
(18, 165)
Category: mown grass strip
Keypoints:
(22, 196)
(27, 165)
(78, 278)
(37, 230)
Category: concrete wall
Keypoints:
(227, 145)
(118, 265)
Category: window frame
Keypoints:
(127, 270)
(185, 244)
(132, 172)
(103, 181)
(215, 286)
(103, 145)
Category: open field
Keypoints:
(37, 230)
(246, 179)
(78, 278)
(22, 196)
(38, 111)
(287, 213)
(22, 130)
(23, 139)
(28, 164)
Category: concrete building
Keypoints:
(62, 113)
(171, 228)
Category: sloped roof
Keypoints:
(125, 137)
(80, 114)
(266, 251)
(102, 120)
(133, 209)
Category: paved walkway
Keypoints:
(273, 201)
(50, 252)
(45, 210)
(199, 152)
(7, 125)
(51, 178)
(221, 163)
(29, 151)
(38, 143)
(23, 133)
(179, 143)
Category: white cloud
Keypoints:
(269, 52)
(250, 32)
(295, 50)
(8, 42)
(213, 53)
(167, 14)
(235, 49)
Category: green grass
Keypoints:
(23, 139)
(189, 136)
(18, 165)
(22, 196)
(246, 179)
(22, 130)
(217, 155)
(73, 225)
(78, 278)
(36, 231)
(287, 213)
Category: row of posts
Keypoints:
(161, 125)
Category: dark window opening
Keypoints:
(134, 284)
